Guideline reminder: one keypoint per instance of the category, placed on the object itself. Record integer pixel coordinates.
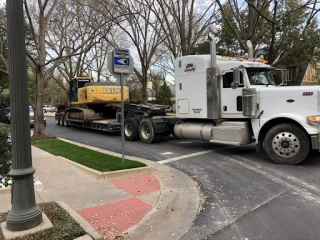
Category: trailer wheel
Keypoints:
(131, 129)
(62, 120)
(65, 122)
(287, 144)
(146, 131)
(57, 118)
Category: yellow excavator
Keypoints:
(96, 105)
(93, 105)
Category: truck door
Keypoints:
(231, 99)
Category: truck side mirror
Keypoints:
(236, 78)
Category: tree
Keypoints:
(165, 95)
(185, 23)
(157, 79)
(134, 86)
(54, 91)
(280, 28)
(60, 27)
(32, 88)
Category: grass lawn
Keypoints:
(87, 157)
(64, 226)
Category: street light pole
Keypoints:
(24, 214)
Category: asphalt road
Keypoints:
(247, 196)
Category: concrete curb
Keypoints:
(96, 174)
(110, 175)
(128, 173)
(84, 237)
(83, 223)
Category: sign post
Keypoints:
(123, 64)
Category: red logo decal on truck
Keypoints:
(190, 67)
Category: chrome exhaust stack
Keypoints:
(213, 88)
(250, 49)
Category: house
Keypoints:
(303, 74)
(312, 75)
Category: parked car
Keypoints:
(4, 115)
(31, 115)
(49, 108)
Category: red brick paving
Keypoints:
(138, 185)
(114, 218)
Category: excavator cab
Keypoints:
(75, 84)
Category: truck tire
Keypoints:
(131, 129)
(287, 144)
(57, 118)
(146, 131)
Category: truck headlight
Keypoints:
(314, 118)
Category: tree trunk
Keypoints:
(144, 93)
(39, 129)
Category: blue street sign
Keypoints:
(122, 61)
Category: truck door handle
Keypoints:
(225, 108)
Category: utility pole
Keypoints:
(24, 214)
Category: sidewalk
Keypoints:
(158, 205)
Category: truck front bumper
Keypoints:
(315, 142)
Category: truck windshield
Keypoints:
(260, 76)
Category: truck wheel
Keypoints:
(287, 144)
(131, 129)
(58, 119)
(146, 131)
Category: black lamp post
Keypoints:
(24, 214)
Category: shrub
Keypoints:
(5, 150)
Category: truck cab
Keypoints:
(236, 101)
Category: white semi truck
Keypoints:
(235, 101)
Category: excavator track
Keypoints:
(82, 114)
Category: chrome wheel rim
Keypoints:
(128, 129)
(145, 131)
(286, 144)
